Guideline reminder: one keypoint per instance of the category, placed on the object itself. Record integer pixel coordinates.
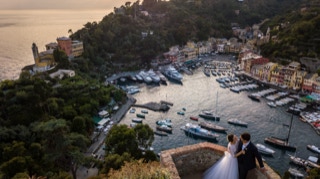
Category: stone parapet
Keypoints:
(197, 158)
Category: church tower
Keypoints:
(35, 53)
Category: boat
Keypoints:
(139, 78)
(295, 173)
(145, 76)
(155, 78)
(137, 120)
(180, 112)
(209, 115)
(206, 72)
(163, 79)
(141, 116)
(254, 97)
(281, 143)
(160, 133)
(264, 150)
(132, 110)
(164, 128)
(237, 122)
(196, 131)
(302, 162)
(133, 91)
(144, 111)
(166, 122)
(314, 148)
(213, 127)
(272, 104)
(194, 118)
(171, 73)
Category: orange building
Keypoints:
(65, 44)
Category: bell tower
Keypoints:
(35, 53)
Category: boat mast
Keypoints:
(217, 106)
(287, 140)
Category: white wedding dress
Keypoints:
(226, 167)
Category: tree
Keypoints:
(144, 135)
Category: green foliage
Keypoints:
(314, 173)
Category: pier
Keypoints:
(162, 106)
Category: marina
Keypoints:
(193, 95)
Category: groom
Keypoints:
(247, 161)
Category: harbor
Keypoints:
(199, 92)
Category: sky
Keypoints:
(61, 4)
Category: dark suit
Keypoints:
(247, 161)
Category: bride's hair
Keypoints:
(230, 137)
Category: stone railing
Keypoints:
(193, 160)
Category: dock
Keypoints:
(162, 106)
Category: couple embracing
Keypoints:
(239, 159)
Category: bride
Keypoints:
(227, 166)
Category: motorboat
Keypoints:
(211, 126)
(314, 148)
(272, 104)
(171, 73)
(254, 97)
(180, 113)
(237, 122)
(264, 150)
(133, 91)
(141, 116)
(145, 76)
(163, 79)
(139, 78)
(155, 78)
(166, 122)
(194, 118)
(302, 162)
(196, 131)
(164, 128)
(295, 173)
(137, 120)
(132, 110)
(209, 115)
(160, 133)
(144, 111)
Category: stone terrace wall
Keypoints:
(191, 159)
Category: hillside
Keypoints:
(296, 34)
(118, 38)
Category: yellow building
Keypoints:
(43, 60)
(76, 48)
(297, 84)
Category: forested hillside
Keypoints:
(118, 37)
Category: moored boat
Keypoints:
(180, 112)
(194, 118)
(280, 143)
(141, 116)
(264, 150)
(171, 73)
(137, 120)
(144, 111)
(164, 128)
(254, 97)
(237, 122)
(209, 115)
(295, 173)
(160, 133)
(211, 126)
(166, 122)
(196, 131)
(314, 148)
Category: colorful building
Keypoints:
(43, 60)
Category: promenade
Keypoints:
(96, 148)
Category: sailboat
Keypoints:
(207, 114)
(282, 143)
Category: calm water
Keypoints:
(20, 28)
(199, 92)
